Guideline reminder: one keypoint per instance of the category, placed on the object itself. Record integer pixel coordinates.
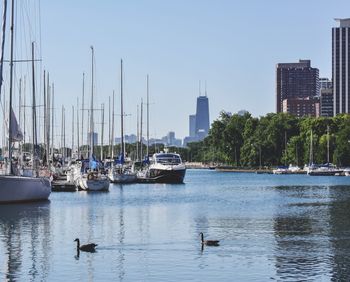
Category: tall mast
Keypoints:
(102, 126)
(147, 116)
(311, 148)
(109, 127)
(141, 154)
(11, 83)
(327, 144)
(45, 141)
(47, 118)
(113, 126)
(35, 140)
(137, 133)
(72, 131)
(52, 122)
(92, 104)
(82, 111)
(78, 141)
(121, 110)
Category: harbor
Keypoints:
(265, 223)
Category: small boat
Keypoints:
(91, 177)
(327, 169)
(164, 168)
(291, 169)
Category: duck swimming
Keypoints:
(208, 242)
(85, 248)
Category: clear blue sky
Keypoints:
(233, 45)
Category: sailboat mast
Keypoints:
(48, 110)
(92, 104)
(11, 85)
(78, 140)
(141, 145)
(311, 148)
(109, 127)
(121, 111)
(102, 127)
(35, 141)
(45, 141)
(147, 116)
(72, 131)
(52, 122)
(82, 112)
(113, 125)
(327, 144)
(137, 130)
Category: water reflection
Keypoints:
(24, 234)
(121, 236)
(340, 232)
(301, 229)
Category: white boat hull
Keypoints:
(23, 189)
(116, 177)
(100, 184)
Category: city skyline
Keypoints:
(178, 44)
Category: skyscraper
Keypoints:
(192, 120)
(296, 84)
(202, 117)
(340, 66)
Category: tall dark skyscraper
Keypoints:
(340, 66)
(296, 86)
(202, 117)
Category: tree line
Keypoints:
(273, 140)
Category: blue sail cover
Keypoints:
(93, 163)
(145, 160)
(119, 159)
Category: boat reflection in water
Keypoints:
(24, 233)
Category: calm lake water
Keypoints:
(284, 228)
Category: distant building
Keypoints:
(192, 125)
(326, 102)
(325, 83)
(199, 123)
(308, 106)
(340, 66)
(296, 85)
(95, 138)
(189, 139)
(202, 117)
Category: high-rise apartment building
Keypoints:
(340, 66)
(297, 83)
(326, 102)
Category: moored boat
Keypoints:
(164, 168)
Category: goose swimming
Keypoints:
(208, 242)
(85, 248)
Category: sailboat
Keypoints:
(327, 169)
(92, 177)
(15, 187)
(120, 171)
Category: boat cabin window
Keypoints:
(168, 159)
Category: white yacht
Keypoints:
(164, 168)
